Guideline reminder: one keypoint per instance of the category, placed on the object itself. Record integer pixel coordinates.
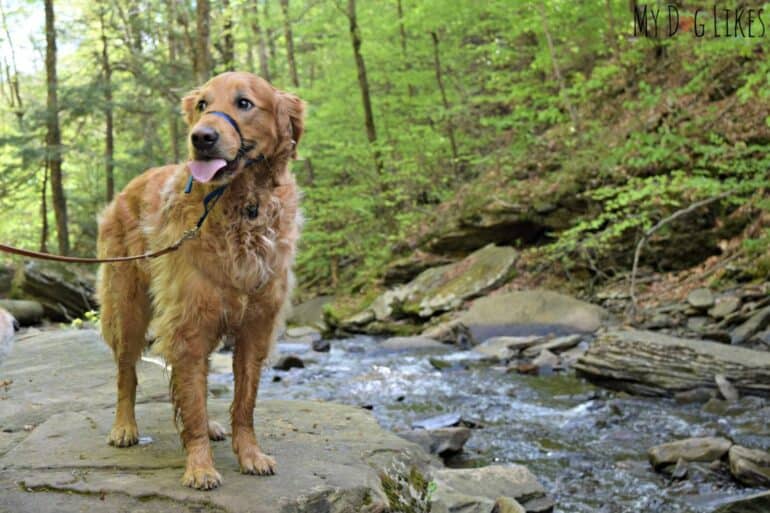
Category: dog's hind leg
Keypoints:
(124, 319)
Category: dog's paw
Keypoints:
(216, 431)
(201, 478)
(123, 435)
(255, 462)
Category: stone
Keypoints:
(680, 470)
(557, 344)
(8, 326)
(441, 442)
(504, 348)
(307, 334)
(701, 299)
(309, 313)
(756, 503)
(507, 505)
(695, 395)
(322, 345)
(412, 344)
(444, 288)
(724, 307)
(438, 422)
(530, 312)
(750, 466)
(65, 291)
(26, 312)
(546, 357)
(728, 391)
(476, 490)
(569, 357)
(697, 323)
(287, 362)
(756, 323)
(705, 449)
(330, 456)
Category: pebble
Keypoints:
(701, 299)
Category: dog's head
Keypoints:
(238, 117)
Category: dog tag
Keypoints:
(252, 211)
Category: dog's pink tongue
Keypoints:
(204, 170)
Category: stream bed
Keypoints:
(586, 445)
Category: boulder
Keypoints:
(701, 299)
(475, 490)
(444, 288)
(65, 292)
(530, 312)
(750, 466)
(756, 323)
(26, 312)
(441, 442)
(650, 363)
(705, 449)
(309, 313)
(330, 457)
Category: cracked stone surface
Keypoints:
(56, 413)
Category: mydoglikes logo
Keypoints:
(658, 21)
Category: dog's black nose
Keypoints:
(204, 138)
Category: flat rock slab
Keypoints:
(329, 455)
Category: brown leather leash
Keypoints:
(189, 234)
(208, 203)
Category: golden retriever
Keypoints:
(233, 279)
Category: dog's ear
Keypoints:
(290, 117)
(188, 105)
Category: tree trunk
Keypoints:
(53, 136)
(173, 118)
(611, 30)
(228, 48)
(402, 36)
(264, 68)
(44, 211)
(363, 83)
(445, 102)
(109, 144)
(12, 76)
(202, 55)
(651, 363)
(557, 70)
(289, 43)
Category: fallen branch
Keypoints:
(663, 222)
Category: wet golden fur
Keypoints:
(233, 279)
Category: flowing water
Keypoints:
(586, 445)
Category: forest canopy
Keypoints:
(419, 113)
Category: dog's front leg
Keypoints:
(252, 346)
(189, 366)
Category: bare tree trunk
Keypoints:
(173, 118)
(557, 70)
(202, 55)
(12, 76)
(53, 136)
(109, 144)
(264, 68)
(228, 48)
(402, 36)
(445, 101)
(363, 82)
(289, 43)
(270, 32)
(44, 211)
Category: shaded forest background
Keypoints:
(433, 127)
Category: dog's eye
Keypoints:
(201, 105)
(244, 104)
